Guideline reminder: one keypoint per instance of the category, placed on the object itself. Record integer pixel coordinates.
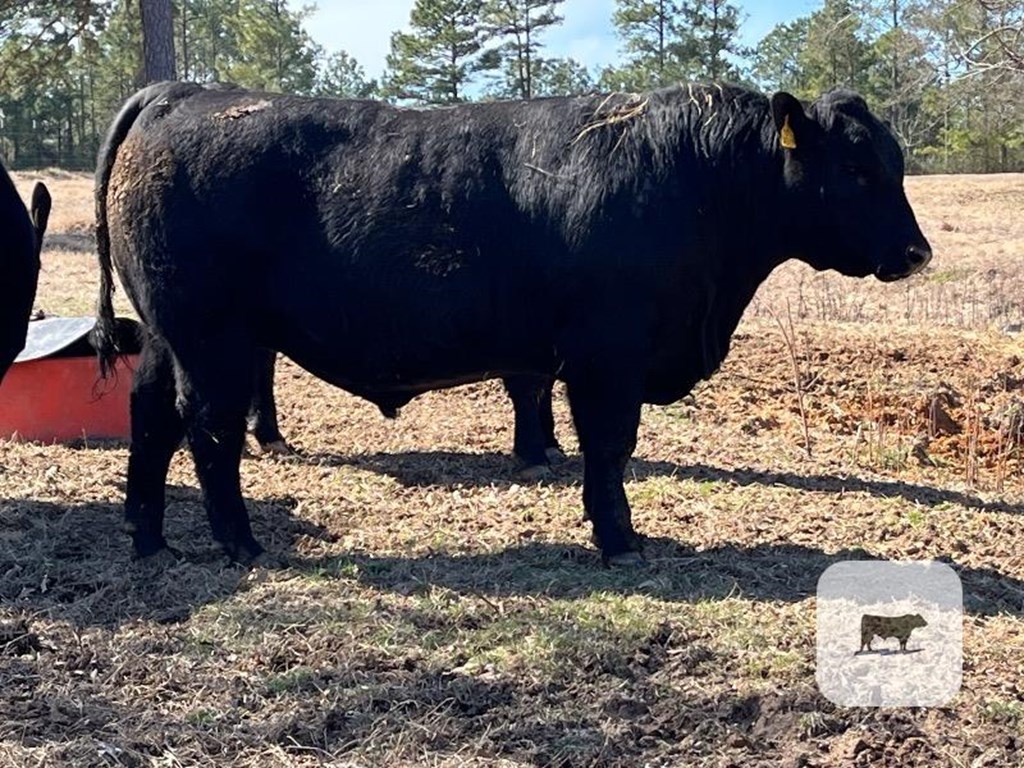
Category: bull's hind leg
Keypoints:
(547, 424)
(214, 377)
(607, 418)
(262, 417)
(535, 444)
(157, 430)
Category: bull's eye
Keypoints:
(858, 172)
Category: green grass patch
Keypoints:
(944, 276)
(294, 680)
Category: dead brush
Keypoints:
(973, 428)
(1010, 426)
(886, 449)
(799, 375)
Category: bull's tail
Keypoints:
(105, 335)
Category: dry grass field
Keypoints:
(432, 611)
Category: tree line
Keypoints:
(946, 74)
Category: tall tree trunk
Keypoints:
(528, 83)
(662, 22)
(158, 39)
(184, 41)
(894, 116)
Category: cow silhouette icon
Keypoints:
(884, 627)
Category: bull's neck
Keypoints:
(742, 209)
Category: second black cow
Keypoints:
(611, 242)
(21, 239)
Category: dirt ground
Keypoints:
(432, 610)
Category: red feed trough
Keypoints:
(53, 392)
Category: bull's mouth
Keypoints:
(917, 258)
(890, 277)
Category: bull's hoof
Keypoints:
(270, 561)
(625, 560)
(146, 545)
(245, 552)
(534, 474)
(160, 560)
(273, 560)
(276, 448)
(555, 455)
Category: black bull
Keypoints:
(21, 238)
(611, 242)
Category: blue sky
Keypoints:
(364, 27)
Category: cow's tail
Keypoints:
(105, 333)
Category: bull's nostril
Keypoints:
(918, 256)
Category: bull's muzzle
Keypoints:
(915, 258)
(918, 257)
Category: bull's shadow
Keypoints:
(889, 652)
(447, 469)
(73, 562)
(674, 572)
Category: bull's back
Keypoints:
(343, 224)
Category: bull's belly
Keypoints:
(388, 369)
(412, 332)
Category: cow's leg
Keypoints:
(552, 449)
(157, 430)
(529, 446)
(607, 416)
(263, 408)
(214, 389)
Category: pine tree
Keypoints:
(341, 76)
(836, 53)
(715, 28)
(120, 70)
(667, 41)
(435, 62)
(206, 38)
(902, 72)
(274, 51)
(654, 42)
(778, 61)
(36, 36)
(562, 77)
(519, 25)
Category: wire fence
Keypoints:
(20, 150)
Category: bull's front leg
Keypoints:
(607, 414)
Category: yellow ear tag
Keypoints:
(786, 136)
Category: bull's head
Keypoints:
(843, 173)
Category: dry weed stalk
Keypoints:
(789, 336)
(1003, 448)
(971, 460)
(620, 114)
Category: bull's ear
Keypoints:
(791, 121)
